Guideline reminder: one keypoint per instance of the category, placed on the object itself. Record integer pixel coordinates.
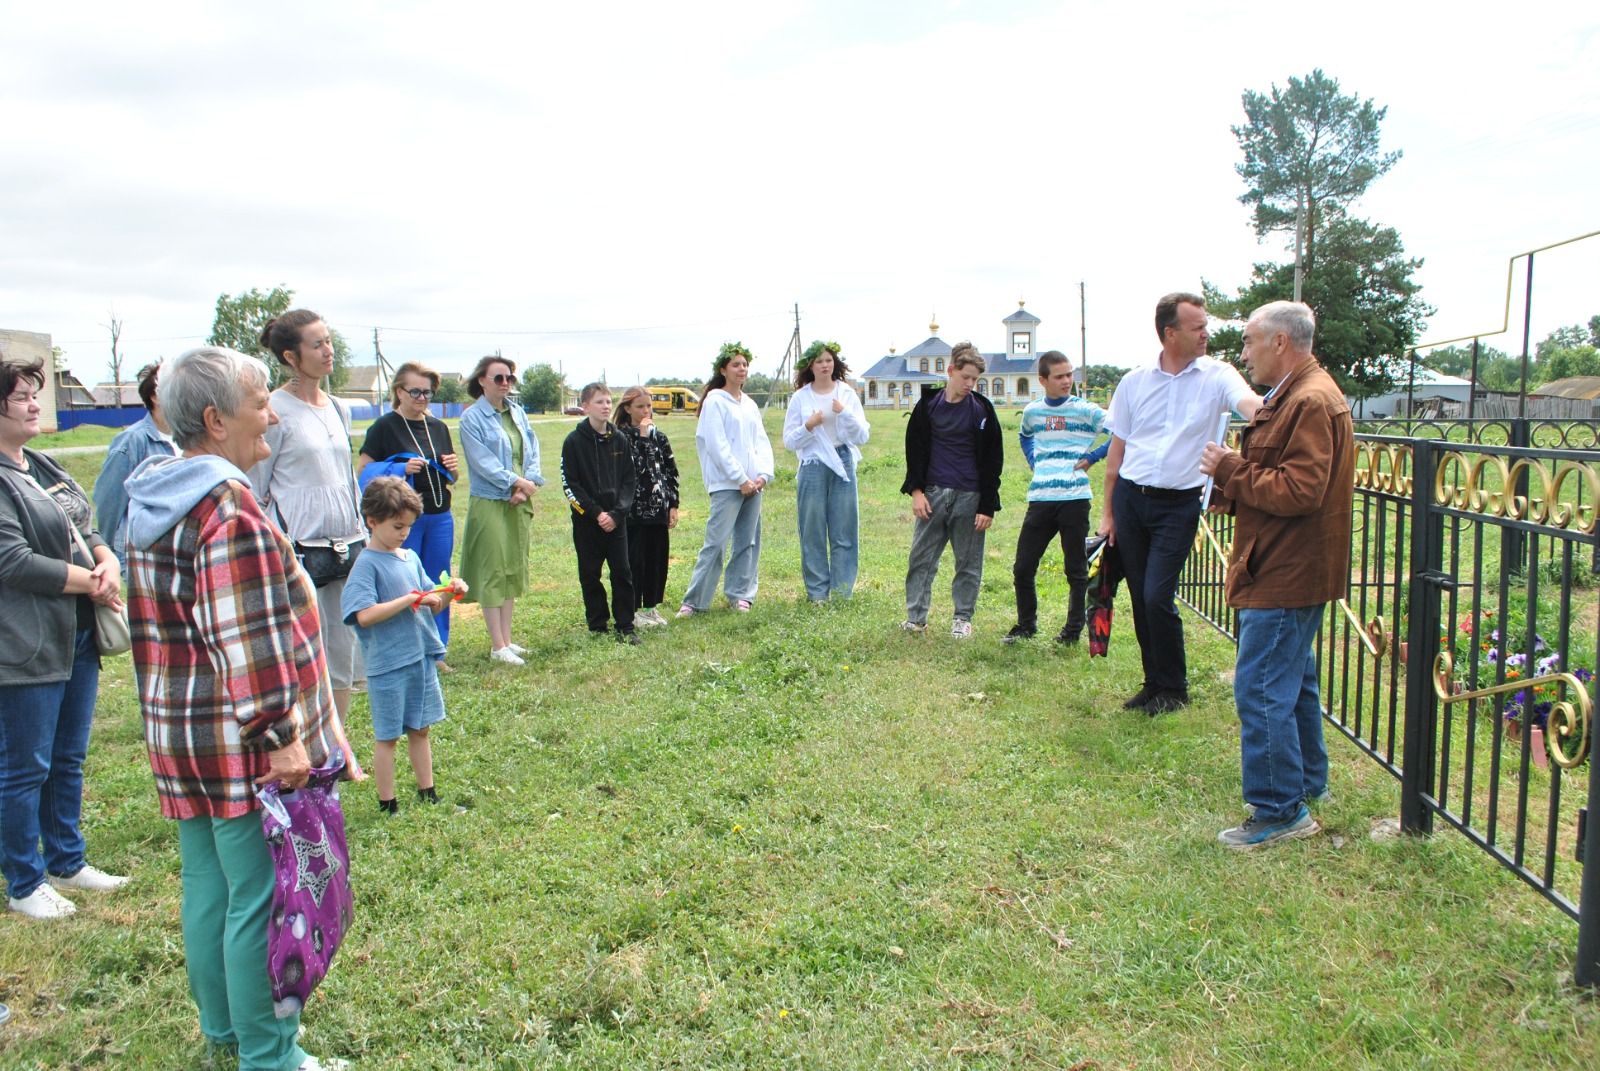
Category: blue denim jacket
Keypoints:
(131, 446)
(483, 440)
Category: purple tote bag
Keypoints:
(311, 903)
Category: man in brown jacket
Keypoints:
(1291, 491)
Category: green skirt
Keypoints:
(494, 550)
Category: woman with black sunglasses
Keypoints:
(409, 428)
(503, 463)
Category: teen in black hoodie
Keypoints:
(597, 476)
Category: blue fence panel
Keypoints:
(125, 416)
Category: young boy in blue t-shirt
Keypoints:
(391, 602)
(1057, 432)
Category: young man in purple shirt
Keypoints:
(954, 456)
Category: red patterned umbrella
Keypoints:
(1105, 573)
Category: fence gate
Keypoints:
(1462, 658)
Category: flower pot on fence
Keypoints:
(1541, 757)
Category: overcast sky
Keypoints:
(623, 186)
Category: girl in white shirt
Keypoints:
(736, 463)
(826, 427)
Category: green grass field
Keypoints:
(801, 839)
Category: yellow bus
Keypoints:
(664, 400)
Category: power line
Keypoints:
(99, 341)
(571, 331)
(460, 331)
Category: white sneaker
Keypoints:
(332, 1063)
(43, 903)
(961, 628)
(517, 649)
(506, 655)
(913, 627)
(653, 617)
(88, 879)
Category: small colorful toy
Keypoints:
(446, 586)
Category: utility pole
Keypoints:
(1299, 240)
(1083, 334)
(385, 374)
(791, 360)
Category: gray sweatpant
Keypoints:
(951, 522)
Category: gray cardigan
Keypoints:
(39, 623)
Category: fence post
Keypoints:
(1514, 543)
(1587, 972)
(1422, 637)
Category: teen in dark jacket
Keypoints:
(597, 476)
(954, 457)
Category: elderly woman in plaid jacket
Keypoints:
(232, 681)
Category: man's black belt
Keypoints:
(1162, 492)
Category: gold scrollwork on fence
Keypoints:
(1383, 467)
(1484, 483)
(1568, 721)
(1374, 635)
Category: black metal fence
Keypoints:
(1462, 657)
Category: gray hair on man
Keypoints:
(1293, 318)
(210, 376)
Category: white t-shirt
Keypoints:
(1166, 420)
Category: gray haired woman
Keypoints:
(232, 682)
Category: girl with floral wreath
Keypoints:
(736, 463)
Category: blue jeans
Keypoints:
(433, 539)
(1154, 537)
(1281, 751)
(44, 738)
(734, 519)
(829, 528)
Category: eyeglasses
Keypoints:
(419, 393)
(501, 378)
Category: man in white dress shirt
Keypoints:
(1162, 415)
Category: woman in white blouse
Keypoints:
(308, 487)
(826, 428)
(736, 463)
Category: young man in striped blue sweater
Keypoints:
(1057, 433)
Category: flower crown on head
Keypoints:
(817, 349)
(729, 351)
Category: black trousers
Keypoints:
(596, 547)
(1154, 537)
(647, 557)
(1043, 522)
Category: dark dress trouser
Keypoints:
(1154, 537)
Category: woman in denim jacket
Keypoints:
(131, 446)
(503, 466)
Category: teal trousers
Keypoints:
(227, 896)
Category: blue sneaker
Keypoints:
(1256, 833)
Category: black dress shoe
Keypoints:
(1067, 636)
(1139, 698)
(1166, 702)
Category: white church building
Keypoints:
(1009, 378)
